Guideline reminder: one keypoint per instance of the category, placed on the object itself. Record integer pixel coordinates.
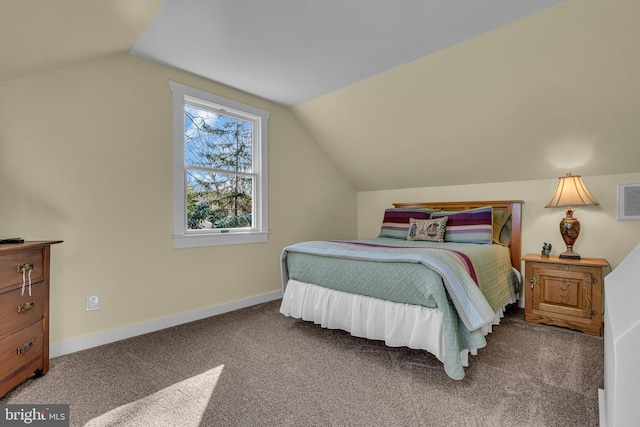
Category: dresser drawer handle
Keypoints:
(23, 308)
(25, 267)
(24, 348)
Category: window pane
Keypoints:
(218, 200)
(217, 141)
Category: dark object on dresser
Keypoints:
(11, 240)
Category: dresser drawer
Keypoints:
(18, 310)
(10, 274)
(20, 349)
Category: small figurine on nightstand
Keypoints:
(546, 250)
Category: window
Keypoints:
(220, 170)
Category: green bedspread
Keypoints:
(469, 283)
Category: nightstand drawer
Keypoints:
(20, 349)
(13, 264)
(18, 310)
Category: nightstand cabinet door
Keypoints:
(564, 293)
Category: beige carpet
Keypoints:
(255, 367)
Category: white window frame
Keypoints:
(259, 233)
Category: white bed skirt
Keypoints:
(401, 325)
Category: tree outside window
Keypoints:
(218, 161)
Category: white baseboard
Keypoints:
(114, 335)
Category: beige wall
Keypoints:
(601, 235)
(85, 156)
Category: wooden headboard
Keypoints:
(512, 206)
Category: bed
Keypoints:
(437, 278)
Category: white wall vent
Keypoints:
(629, 202)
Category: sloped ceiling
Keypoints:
(434, 93)
(293, 51)
(552, 93)
(40, 35)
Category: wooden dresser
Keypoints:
(24, 311)
(564, 292)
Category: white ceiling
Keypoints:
(292, 51)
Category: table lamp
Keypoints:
(570, 192)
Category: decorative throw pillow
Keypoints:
(395, 223)
(501, 227)
(430, 230)
(469, 226)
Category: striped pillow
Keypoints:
(469, 226)
(396, 221)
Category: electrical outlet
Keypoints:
(93, 302)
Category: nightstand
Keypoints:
(564, 292)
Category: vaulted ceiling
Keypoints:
(398, 94)
(293, 51)
(285, 51)
(555, 92)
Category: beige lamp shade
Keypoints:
(571, 192)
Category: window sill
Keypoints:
(181, 241)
